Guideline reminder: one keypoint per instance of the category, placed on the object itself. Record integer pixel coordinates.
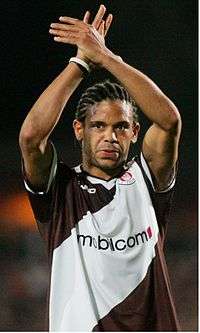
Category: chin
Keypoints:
(110, 165)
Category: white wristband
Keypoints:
(80, 62)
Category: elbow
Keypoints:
(174, 122)
(27, 140)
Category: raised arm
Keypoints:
(45, 113)
(160, 145)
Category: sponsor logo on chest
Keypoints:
(121, 244)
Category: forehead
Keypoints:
(111, 111)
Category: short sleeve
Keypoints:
(147, 171)
(162, 200)
(45, 203)
(42, 201)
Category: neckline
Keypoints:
(102, 179)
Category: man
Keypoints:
(104, 222)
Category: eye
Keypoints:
(121, 127)
(98, 126)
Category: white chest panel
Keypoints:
(105, 258)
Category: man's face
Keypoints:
(106, 136)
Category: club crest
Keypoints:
(126, 179)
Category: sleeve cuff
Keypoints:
(51, 176)
(148, 173)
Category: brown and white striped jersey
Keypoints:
(105, 245)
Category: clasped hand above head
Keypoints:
(89, 38)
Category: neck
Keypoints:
(105, 174)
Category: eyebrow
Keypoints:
(119, 123)
(97, 122)
(122, 123)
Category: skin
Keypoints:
(106, 135)
(44, 115)
(160, 143)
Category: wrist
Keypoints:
(81, 57)
(109, 59)
(86, 60)
(83, 65)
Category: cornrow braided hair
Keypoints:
(103, 91)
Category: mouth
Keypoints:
(111, 154)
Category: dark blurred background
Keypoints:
(157, 37)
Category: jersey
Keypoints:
(105, 246)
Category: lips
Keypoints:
(109, 153)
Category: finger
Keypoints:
(67, 40)
(67, 27)
(68, 19)
(61, 33)
(102, 28)
(86, 17)
(98, 18)
(72, 21)
(108, 23)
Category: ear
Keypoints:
(136, 129)
(78, 129)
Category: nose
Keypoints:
(110, 135)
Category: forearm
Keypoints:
(47, 110)
(151, 100)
